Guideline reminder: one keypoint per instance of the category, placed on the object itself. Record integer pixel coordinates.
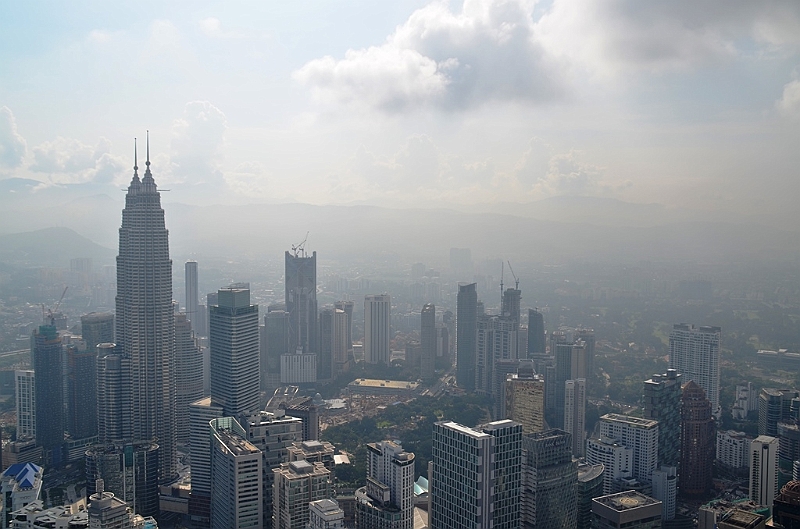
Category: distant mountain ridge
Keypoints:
(50, 247)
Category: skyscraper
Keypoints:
(763, 469)
(466, 335)
(377, 319)
(524, 399)
(276, 344)
(640, 435)
(234, 351)
(298, 483)
(387, 501)
(236, 475)
(301, 300)
(192, 302)
(549, 482)
(536, 343)
(188, 374)
(428, 342)
(113, 394)
(694, 353)
(81, 391)
(697, 441)
(145, 325)
(662, 403)
(46, 349)
(25, 385)
(570, 365)
(575, 413)
(96, 328)
(476, 476)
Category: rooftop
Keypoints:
(624, 501)
(633, 421)
(392, 384)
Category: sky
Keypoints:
(409, 103)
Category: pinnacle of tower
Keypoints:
(135, 179)
(148, 180)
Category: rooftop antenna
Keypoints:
(135, 164)
(502, 272)
(147, 163)
(299, 250)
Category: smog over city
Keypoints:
(417, 255)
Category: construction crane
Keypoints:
(48, 315)
(300, 248)
(516, 280)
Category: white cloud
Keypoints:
(445, 59)
(12, 145)
(67, 160)
(210, 27)
(612, 37)
(197, 144)
(789, 103)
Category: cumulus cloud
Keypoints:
(445, 59)
(542, 171)
(609, 37)
(789, 103)
(12, 145)
(197, 144)
(67, 160)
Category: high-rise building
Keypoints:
(788, 447)
(549, 481)
(590, 485)
(511, 302)
(325, 514)
(347, 307)
(301, 300)
(201, 412)
(630, 509)
(272, 433)
(298, 483)
(234, 351)
(524, 399)
(113, 394)
(496, 341)
(377, 318)
(466, 335)
(640, 435)
(46, 350)
(276, 344)
(786, 507)
(662, 403)
(386, 502)
(475, 479)
(129, 470)
(615, 457)
(313, 452)
(188, 374)
(697, 441)
(325, 337)
(575, 414)
(763, 469)
(665, 489)
(536, 342)
(236, 477)
(694, 353)
(774, 406)
(427, 335)
(25, 384)
(733, 449)
(81, 391)
(145, 325)
(192, 299)
(570, 365)
(107, 511)
(97, 328)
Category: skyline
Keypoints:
(415, 104)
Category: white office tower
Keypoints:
(272, 433)
(236, 477)
(764, 470)
(475, 478)
(616, 458)
(694, 353)
(325, 514)
(387, 500)
(25, 384)
(299, 368)
(377, 317)
(108, 512)
(575, 414)
(233, 337)
(297, 484)
(665, 490)
(733, 449)
(640, 435)
(340, 346)
(201, 413)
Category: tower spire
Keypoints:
(147, 163)
(135, 164)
